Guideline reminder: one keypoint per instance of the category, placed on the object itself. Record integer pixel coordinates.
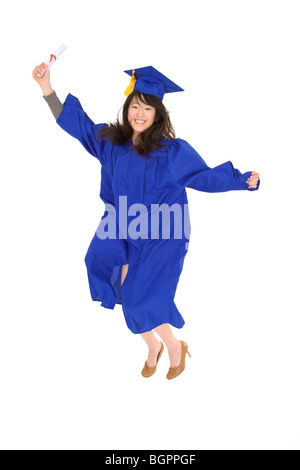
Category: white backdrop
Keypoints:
(70, 369)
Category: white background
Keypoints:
(70, 369)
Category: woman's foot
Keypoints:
(175, 353)
(153, 358)
(177, 370)
(153, 353)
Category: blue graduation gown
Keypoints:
(156, 257)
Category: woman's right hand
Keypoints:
(43, 81)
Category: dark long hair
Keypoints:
(121, 132)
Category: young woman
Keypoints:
(134, 258)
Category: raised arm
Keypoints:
(54, 103)
(71, 117)
(44, 81)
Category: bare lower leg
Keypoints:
(124, 272)
(154, 346)
(172, 343)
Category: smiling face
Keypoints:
(141, 116)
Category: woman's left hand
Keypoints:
(252, 181)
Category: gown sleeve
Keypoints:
(190, 170)
(76, 122)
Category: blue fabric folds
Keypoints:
(146, 184)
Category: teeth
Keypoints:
(140, 122)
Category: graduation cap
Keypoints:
(150, 81)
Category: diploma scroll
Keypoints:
(53, 58)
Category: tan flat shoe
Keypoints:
(149, 371)
(175, 371)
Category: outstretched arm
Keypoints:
(190, 170)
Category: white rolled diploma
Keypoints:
(53, 58)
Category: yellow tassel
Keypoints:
(130, 87)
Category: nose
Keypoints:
(140, 112)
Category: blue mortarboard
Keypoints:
(150, 81)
